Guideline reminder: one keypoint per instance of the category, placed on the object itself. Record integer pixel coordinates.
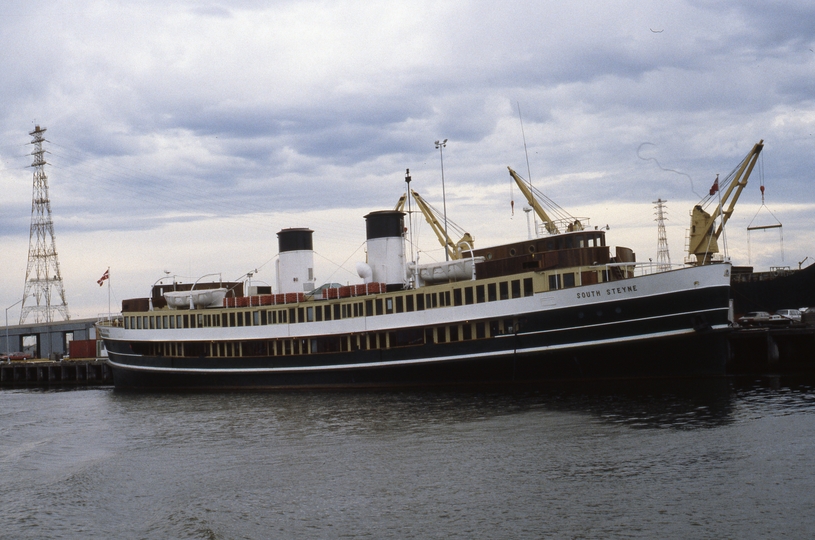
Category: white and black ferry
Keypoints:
(562, 306)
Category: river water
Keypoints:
(702, 459)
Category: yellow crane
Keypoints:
(551, 228)
(434, 219)
(566, 220)
(703, 234)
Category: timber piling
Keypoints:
(63, 373)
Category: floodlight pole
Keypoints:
(440, 146)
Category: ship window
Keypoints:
(492, 295)
(468, 295)
(357, 309)
(441, 334)
(186, 321)
(309, 314)
(479, 294)
(400, 304)
(569, 242)
(383, 340)
(495, 329)
(480, 330)
(454, 333)
(388, 305)
(337, 312)
(406, 337)
(428, 335)
(346, 311)
(509, 326)
(419, 302)
(138, 323)
(446, 301)
(178, 321)
(512, 252)
(554, 282)
(200, 320)
(457, 297)
(503, 287)
(263, 320)
(240, 318)
(379, 309)
(319, 313)
(152, 323)
(256, 318)
(232, 319)
(369, 307)
(568, 280)
(282, 316)
(528, 291)
(516, 288)
(467, 332)
(328, 313)
(291, 318)
(409, 302)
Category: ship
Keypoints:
(777, 288)
(558, 306)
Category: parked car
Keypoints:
(754, 317)
(792, 314)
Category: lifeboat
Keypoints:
(195, 299)
(441, 272)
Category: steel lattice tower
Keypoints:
(663, 257)
(44, 293)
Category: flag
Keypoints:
(105, 276)
(715, 187)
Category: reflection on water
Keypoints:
(695, 458)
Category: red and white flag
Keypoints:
(715, 187)
(105, 276)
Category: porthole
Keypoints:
(489, 256)
(531, 249)
(512, 252)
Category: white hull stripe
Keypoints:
(436, 359)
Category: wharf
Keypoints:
(62, 373)
(781, 349)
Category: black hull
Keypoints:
(764, 291)
(697, 354)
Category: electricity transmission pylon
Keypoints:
(663, 256)
(44, 295)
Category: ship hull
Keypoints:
(673, 324)
(658, 358)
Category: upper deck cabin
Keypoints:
(567, 250)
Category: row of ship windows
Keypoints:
(360, 308)
(329, 344)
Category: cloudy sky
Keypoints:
(183, 135)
